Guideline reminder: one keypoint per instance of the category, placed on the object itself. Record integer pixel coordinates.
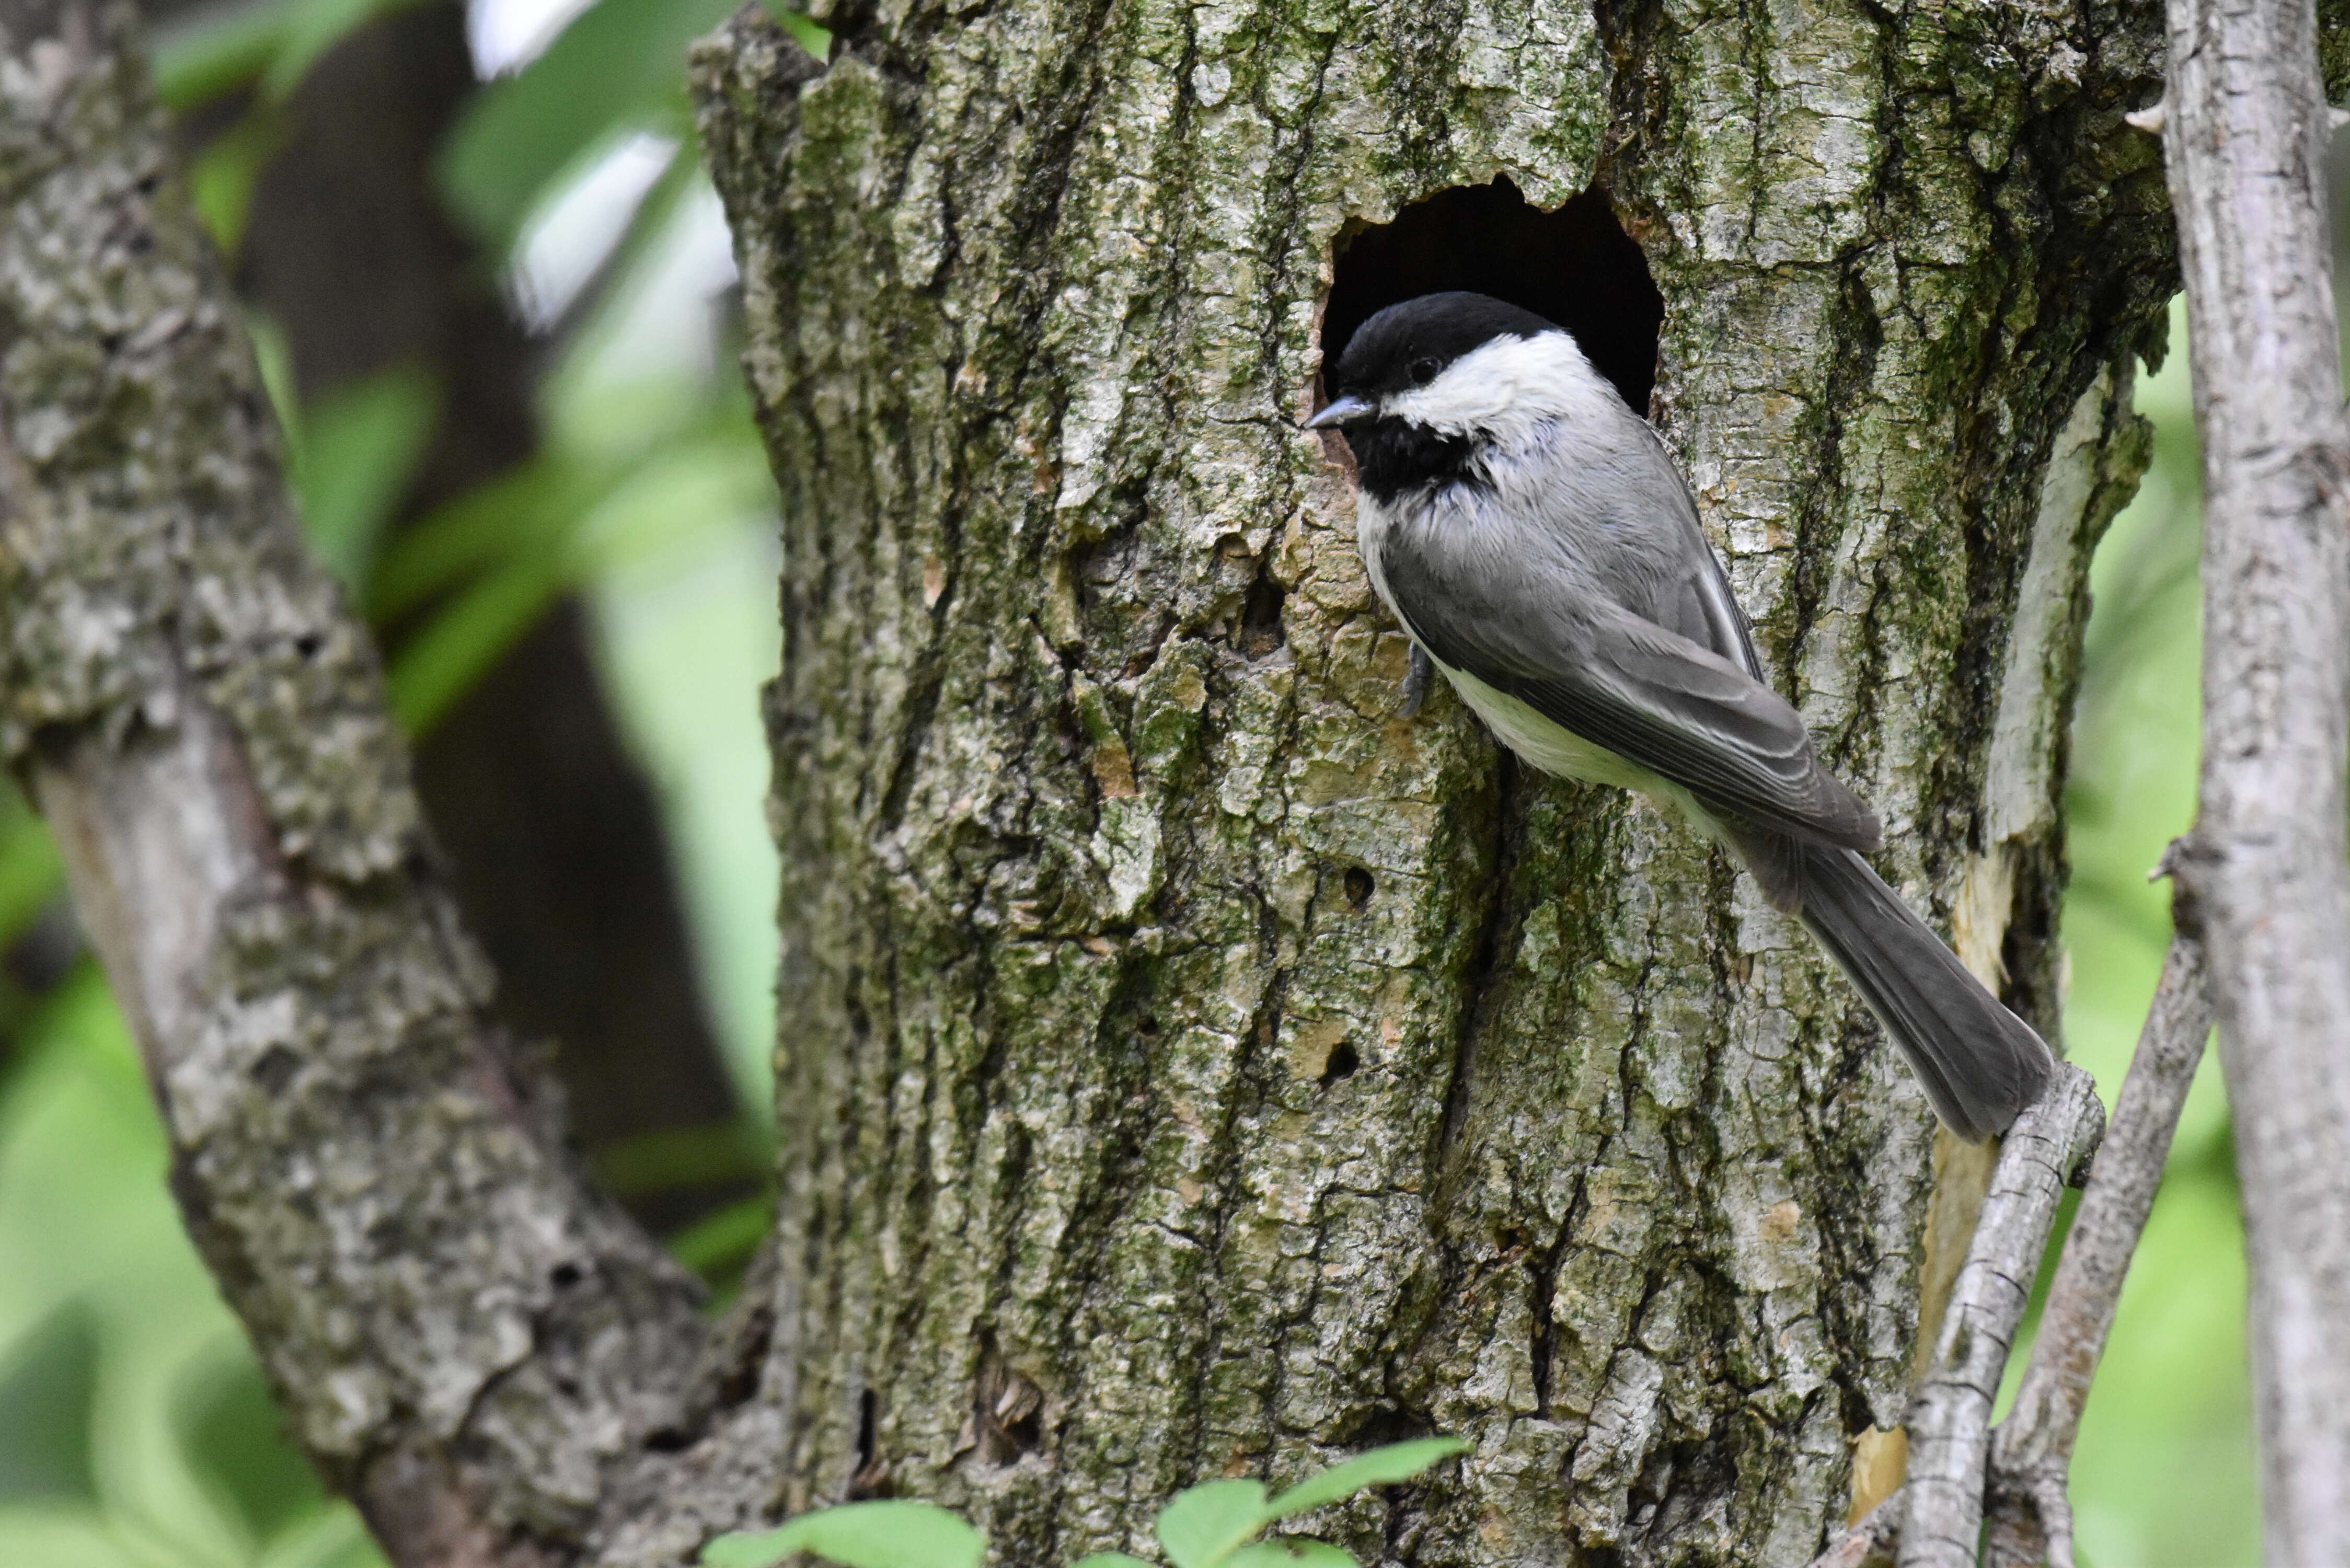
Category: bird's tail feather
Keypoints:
(1980, 1063)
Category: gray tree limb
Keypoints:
(1950, 1420)
(551, 838)
(2264, 868)
(473, 1346)
(2032, 1448)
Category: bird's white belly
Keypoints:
(1543, 744)
(1547, 745)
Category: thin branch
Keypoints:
(2266, 868)
(476, 1348)
(1950, 1418)
(2033, 1450)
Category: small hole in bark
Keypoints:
(563, 1275)
(1027, 1431)
(860, 1023)
(1342, 1063)
(1574, 266)
(1261, 628)
(277, 1069)
(309, 644)
(1007, 1418)
(1147, 1026)
(872, 1477)
(1386, 1424)
(741, 1376)
(1359, 888)
(669, 1440)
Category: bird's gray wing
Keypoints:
(1647, 693)
(1696, 599)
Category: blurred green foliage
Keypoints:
(135, 1428)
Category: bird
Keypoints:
(1542, 550)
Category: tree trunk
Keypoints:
(1190, 1066)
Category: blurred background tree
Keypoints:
(494, 293)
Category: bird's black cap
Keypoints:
(1407, 344)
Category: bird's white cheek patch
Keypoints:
(1505, 388)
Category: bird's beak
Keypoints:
(1347, 408)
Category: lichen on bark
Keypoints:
(1184, 1051)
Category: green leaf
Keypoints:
(31, 873)
(311, 28)
(1299, 1552)
(522, 513)
(859, 1535)
(210, 54)
(816, 40)
(360, 449)
(665, 1160)
(442, 663)
(49, 1385)
(272, 44)
(222, 179)
(1379, 1466)
(707, 481)
(718, 1244)
(619, 64)
(1204, 1523)
(235, 1443)
(273, 356)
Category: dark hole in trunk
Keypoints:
(1574, 266)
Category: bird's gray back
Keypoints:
(1619, 520)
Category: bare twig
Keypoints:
(2033, 1450)
(2245, 141)
(474, 1347)
(1949, 1420)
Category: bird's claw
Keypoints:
(1415, 681)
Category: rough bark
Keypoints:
(480, 1352)
(1192, 1067)
(2264, 870)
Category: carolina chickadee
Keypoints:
(1539, 545)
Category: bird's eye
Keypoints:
(1423, 371)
